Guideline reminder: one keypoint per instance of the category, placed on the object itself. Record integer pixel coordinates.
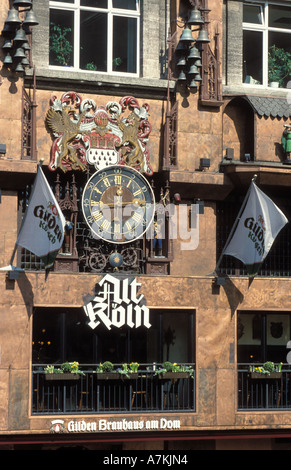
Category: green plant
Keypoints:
(107, 366)
(134, 367)
(124, 370)
(279, 65)
(91, 66)
(267, 368)
(52, 370)
(167, 366)
(60, 46)
(71, 368)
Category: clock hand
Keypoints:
(134, 202)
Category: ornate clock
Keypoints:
(118, 204)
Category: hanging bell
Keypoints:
(193, 70)
(181, 62)
(13, 18)
(195, 17)
(26, 46)
(194, 53)
(19, 54)
(30, 19)
(181, 48)
(203, 36)
(186, 36)
(193, 85)
(22, 3)
(19, 68)
(20, 36)
(198, 63)
(9, 30)
(197, 78)
(7, 44)
(182, 77)
(25, 62)
(7, 59)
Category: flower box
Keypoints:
(107, 376)
(66, 376)
(174, 375)
(131, 376)
(116, 376)
(272, 375)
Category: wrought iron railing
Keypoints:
(94, 393)
(258, 392)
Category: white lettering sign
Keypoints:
(117, 304)
(121, 425)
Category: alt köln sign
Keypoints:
(117, 303)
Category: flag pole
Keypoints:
(16, 246)
(235, 224)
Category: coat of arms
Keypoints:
(100, 136)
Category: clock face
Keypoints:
(118, 204)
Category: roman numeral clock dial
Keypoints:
(118, 204)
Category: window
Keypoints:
(61, 335)
(266, 44)
(263, 336)
(95, 35)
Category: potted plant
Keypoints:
(267, 371)
(279, 66)
(171, 370)
(60, 46)
(129, 372)
(106, 371)
(67, 371)
(91, 66)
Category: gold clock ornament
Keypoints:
(118, 204)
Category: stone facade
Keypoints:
(203, 131)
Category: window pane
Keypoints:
(124, 44)
(65, 1)
(125, 4)
(61, 37)
(279, 58)
(94, 3)
(249, 336)
(253, 57)
(93, 41)
(280, 17)
(252, 14)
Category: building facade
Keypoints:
(150, 120)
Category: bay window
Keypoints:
(266, 44)
(95, 35)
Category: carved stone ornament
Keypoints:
(85, 134)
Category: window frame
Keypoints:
(111, 12)
(265, 29)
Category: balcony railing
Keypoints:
(94, 393)
(264, 393)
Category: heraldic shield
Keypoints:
(84, 134)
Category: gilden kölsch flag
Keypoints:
(258, 226)
(43, 227)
